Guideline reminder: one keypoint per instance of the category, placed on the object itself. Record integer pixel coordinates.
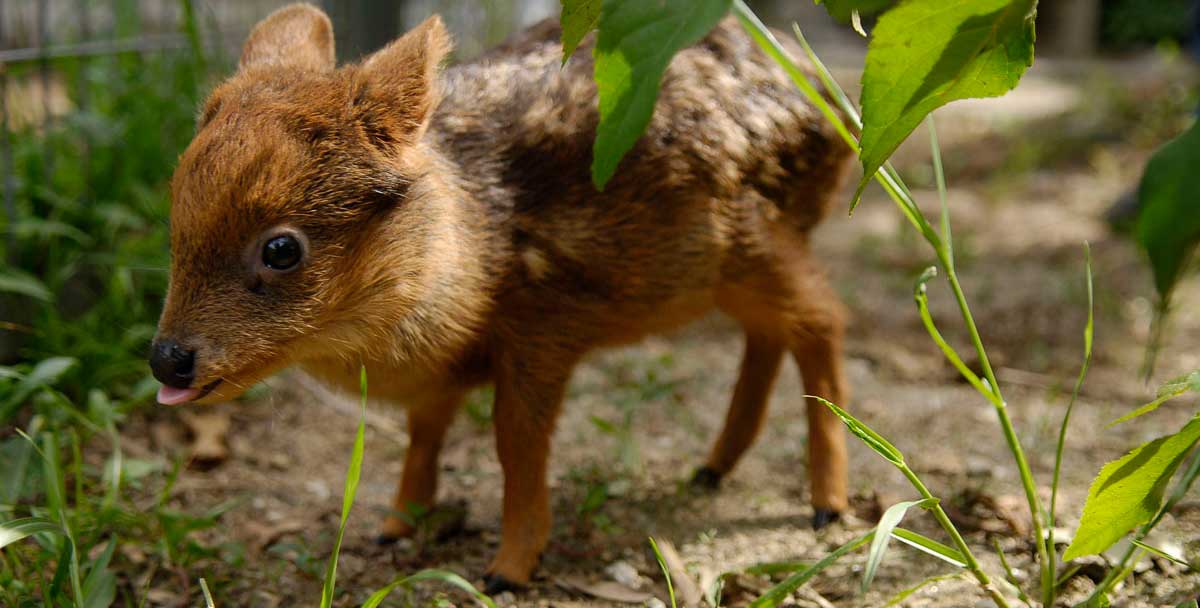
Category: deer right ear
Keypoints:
(298, 35)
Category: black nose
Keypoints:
(172, 364)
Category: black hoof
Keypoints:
(706, 478)
(824, 517)
(494, 584)
(384, 540)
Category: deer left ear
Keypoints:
(397, 87)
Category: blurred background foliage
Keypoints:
(97, 99)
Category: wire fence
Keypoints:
(39, 37)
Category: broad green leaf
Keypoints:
(1168, 225)
(948, 554)
(23, 283)
(926, 53)
(578, 18)
(1168, 391)
(873, 440)
(348, 493)
(1129, 490)
(779, 593)
(883, 533)
(636, 43)
(1188, 604)
(428, 575)
(15, 530)
(843, 10)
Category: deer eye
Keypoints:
(281, 252)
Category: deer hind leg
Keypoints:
(427, 425)
(760, 366)
(816, 344)
(786, 297)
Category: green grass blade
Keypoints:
(921, 296)
(779, 593)
(662, 563)
(905, 593)
(925, 544)
(208, 600)
(351, 488)
(940, 175)
(17, 529)
(762, 35)
(45, 373)
(1049, 586)
(1168, 391)
(56, 503)
(100, 586)
(1163, 554)
(444, 576)
(868, 436)
(883, 531)
(1009, 575)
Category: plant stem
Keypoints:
(998, 403)
(944, 520)
(895, 189)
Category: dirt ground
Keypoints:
(1020, 233)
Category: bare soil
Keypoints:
(1020, 235)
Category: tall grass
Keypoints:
(84, 271)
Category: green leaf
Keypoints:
(1188, 604)
(883, 533)
(636, 43)
(348, 493)
(45, 373)
(1128, 491)
(1168, 391)
(925, 544)
(428, 575)
(779, 593)
(15, 530)
(1168, 225)
(23, 283)
(578, 18)
(873, 440)
(926, 53)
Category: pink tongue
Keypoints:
(169, 395)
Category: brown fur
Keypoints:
(454, 238)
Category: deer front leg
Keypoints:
(529, 396)
(427, 425)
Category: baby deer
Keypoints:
(440, 228)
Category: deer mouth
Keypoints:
(169, 395)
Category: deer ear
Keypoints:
(297, 35)
(397, 86)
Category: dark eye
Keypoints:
(281, 252)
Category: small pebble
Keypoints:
(625, 574)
